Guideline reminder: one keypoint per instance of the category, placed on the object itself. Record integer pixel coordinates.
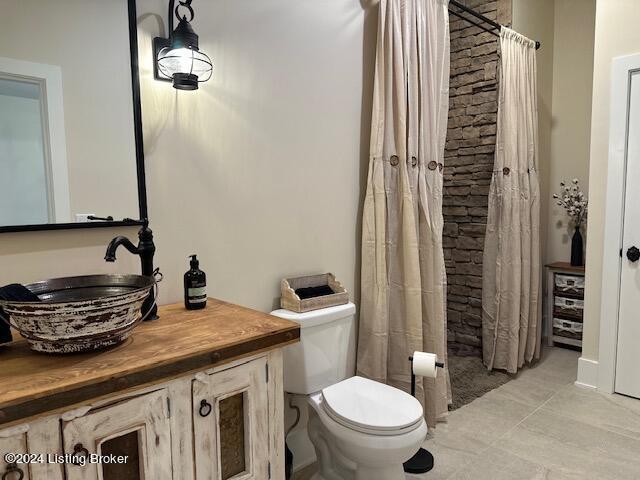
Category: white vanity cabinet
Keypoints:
(193, 395)
(218, 424)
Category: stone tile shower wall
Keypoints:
(469, 158)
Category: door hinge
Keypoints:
(269, 469)
(266, 368)
(168, 407)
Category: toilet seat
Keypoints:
(371, 407)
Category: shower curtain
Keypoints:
(511, 313)
(403, 275)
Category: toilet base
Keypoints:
(333, 464)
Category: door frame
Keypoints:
(622, 70)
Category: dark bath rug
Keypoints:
(470, 379)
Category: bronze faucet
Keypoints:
(145, 249)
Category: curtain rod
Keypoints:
(480, 17)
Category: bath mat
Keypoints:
(470, 379)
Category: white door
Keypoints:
(135, 434)
(231, 423)
(34, 185)
(627, 380)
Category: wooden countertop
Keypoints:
(179, 342)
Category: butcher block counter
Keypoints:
(173, 382)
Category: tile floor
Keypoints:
(538, 426)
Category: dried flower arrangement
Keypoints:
(573, 200)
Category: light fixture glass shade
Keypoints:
(187, 66)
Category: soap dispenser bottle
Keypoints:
(195, 286)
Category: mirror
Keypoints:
(70, 128)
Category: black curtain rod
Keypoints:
(479, 16)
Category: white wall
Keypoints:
(571, 113)
(617, 34)
(32, 256)
(260, 171)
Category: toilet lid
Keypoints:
(371, 405)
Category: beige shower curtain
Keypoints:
(403, 276)
(511, 320)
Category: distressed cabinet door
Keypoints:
(13, 444)
(138, 429)
(230, 412)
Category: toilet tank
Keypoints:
(326, 352)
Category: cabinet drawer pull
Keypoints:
(79, 452)
(12, 468)
(205, 408)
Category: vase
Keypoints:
(577, 249)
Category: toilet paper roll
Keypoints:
(424, 364)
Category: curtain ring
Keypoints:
(414, 161)
(432, 165)
(394, 160)
(506, 171)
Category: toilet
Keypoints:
(360, 429)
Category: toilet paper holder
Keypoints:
(422, 461)
(413, 375)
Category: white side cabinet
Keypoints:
(225, 423)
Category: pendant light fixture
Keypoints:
(178, 59)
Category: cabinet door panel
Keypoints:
(127, 445)
(16, 444)
(231, 423)
(138, 429)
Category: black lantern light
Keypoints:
(177, 59)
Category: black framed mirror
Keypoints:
(71, 142)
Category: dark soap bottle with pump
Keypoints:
(195, 286)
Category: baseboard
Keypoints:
(587, 373)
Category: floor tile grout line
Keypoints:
(492, 443)
(530, 414)
(580, 420)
